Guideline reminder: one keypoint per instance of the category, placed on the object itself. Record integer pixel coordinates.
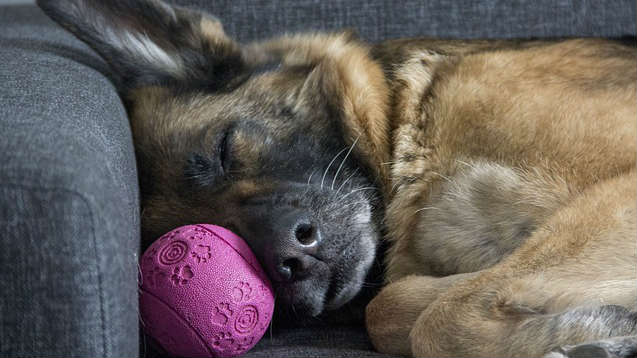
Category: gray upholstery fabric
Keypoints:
(69, 221)
(68, 198)
(382, 19)
(335, 341)
(315, 342)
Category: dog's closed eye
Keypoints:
(225, 151)
(208, 170)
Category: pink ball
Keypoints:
(203, 293)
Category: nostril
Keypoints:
(305, 234)
(285, 271)
(288, 268)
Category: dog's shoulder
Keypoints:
(503, 107)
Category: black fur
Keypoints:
(215, 67)
(293, 157)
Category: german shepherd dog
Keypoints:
(502, 173)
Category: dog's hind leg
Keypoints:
(493, 322)
(571, 283)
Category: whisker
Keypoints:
(395, 186)
(426, 208)
(309, 179)
(356, 190)
(140, 275)
(352, 204)
(443, 177)
(329, 165)
(465, 163)
(346, 180)
(343, 161)
(371, 284)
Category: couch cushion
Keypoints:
(381, 19)
(335, 341)
(69, 217)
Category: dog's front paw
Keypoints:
(390, 316)
(387, 329)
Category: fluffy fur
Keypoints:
(502, 172)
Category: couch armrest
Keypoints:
(69, 221)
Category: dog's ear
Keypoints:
(350, 85)
(147, 42)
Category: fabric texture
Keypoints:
(247, 20)
(293, 342)
(69, 221)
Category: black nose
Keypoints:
(296, 240)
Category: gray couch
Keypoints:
(69, 207)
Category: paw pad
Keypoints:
(222, 314)
(181, 275)
(202, 253)
(222, 340)
(242, 292)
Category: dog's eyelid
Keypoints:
(224, 149)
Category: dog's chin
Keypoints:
(302, 298)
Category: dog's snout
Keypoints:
(295, 240)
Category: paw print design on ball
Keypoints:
(222, 314)
(202, 253)
(203, 293)
(153, 277)
(244, 343)
(242, 292)
(223, 341)
(181, 275)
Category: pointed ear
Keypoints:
(348, 81)
(147, 42)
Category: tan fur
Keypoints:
(507, 168)
(544, 132)
(531, 146)
(353, 78)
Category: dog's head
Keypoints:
(281, 141)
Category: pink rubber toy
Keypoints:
(203, 293)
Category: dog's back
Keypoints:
(507, 170)
(513, 165)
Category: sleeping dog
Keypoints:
(501, 173)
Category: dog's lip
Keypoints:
(340, 292)
(335, 295)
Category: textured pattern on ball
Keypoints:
(203, 293)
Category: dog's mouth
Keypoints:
(315, 247)
(314, 296)
(343, 288)
(333, 283)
